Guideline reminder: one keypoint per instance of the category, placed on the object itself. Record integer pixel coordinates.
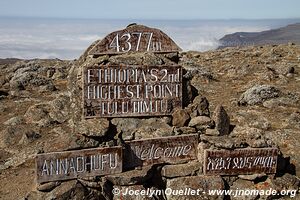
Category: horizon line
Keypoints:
(145, 19)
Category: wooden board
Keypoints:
(122, 90)
(174, 149)
(135, 38)
(240, 161)
(81, 163)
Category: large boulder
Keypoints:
(29, 75)
(258, 94)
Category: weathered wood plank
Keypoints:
(174, 149)
(81, 163)
(240, 161)
(121, 90)
(135, 38)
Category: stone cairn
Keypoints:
(213, 132)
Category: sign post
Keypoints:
(121, 90)
(174, 149)
(240, 161)
(81, 163)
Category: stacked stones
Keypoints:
(214, 130)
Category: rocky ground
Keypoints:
(237, 97)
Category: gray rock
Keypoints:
(200, 183)
(285, 101)
(28, 76)
(247, 132)
(125, 196)
(126, 126)
(202, 105)
(153, 127)
(286, 182)
(29, 136)
(32, 195)
(46, 88)
(291, 70)
(192, 110)
(97, 61)
(50, 72)
(259, 143)
(229, 179)
(251, 177)
(47, 187)
(127, 59)
(67, 190)
(14, 135)
(258, 94)
(201, 148)
(222, 120)
(81, 142)
(260, 123)
(243, 185)
(151, 59)
(254, 137)
(288, 142)
(14, 121)
(37, 113)
(294, 119)
(94, 127)
(133, 177)
(201, 122)
(224, 141)
(213, 132)
(90, 184)
(172, 56)
(184, 130)
(180, 118)
(180, 170)
(189, 92)
(60, 107)
(147, 58)
(4, 155)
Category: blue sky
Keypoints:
(152, 9)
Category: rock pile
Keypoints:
(236, 98)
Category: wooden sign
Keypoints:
(174, 149)
(82, 163)
(122, 90)
(135, 38)
(241, 161)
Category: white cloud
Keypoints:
(69, 39)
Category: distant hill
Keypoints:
(9, 60)
(290, 33)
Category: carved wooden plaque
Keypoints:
(122, 90)
(240, 161)
(174, 149)
(135, 38)
(81, 163)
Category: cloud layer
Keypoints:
(68, 39)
